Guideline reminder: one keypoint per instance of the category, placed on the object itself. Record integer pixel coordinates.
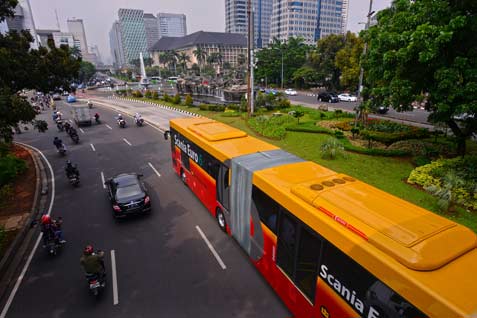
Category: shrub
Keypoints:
(331, 149)
(298, 114)
(271, 127)
(148, 94)
(6, 193)
(339, 134)
(166, 98)
(204, 107)
(176, 100)
(137, 94)
(235, 107)
(188, 100)
(10, 167)
(155, 95)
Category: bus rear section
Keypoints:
(329, 245)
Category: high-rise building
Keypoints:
(23, 20)
(309, 19)
(46, 35)
(64, 38)
(76, 27)
(95, 50)
(171, 24)
(152, 29)
(133, 33)
(236, 19)
(115, 43)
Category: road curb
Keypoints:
(155, 104)
(17, 250)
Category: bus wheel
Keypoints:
(183, 176)
(221, 219)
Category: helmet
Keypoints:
(45, 219)
(68, 162)
(88, 250)
(119, 115)
(56, 138)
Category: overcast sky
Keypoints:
(208, 15)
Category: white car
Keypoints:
(345, 97)
(290, 92)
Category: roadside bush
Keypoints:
(137, 94)
(389, 138)
(188, 100)
(271, 127)
(148, 94)
(204, 107)
(6, 193)
(166, 98)
(176, 100)
(10, 167)
(235, 107)
(332, 148)
(155, 95)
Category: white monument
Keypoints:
(144, 80)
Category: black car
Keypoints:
(328, 97)
(128, 195)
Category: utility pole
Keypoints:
(249, 64)
(361, 72)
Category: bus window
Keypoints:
(286, 246)
(185, 160)
(307, 264)
(267, 208)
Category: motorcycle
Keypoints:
(62, 150)
(75, 138)
(74, 179)
(52, 246)
(139, 122)
(59, 125)
(96, 282)
(122, 123)
(90, 104)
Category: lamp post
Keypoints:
(361, 72)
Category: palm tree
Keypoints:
(201, 55)
(75, 52)
(183, 59)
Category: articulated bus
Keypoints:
(328, 244)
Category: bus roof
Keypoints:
(220, 140)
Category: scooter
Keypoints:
(96, 282)
(62, 150)
(75, 138)
(74, 179)
(139, 122)
(59, 125)
(122, 123)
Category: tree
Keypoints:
(347, 60)
(86, 71)
(426, 51)
(294, 54)
(322, 59)
(298, 114)
(305, 76)
(7, 9)
(25, 68)
(153, 71)
(76, 52)
(201, 55)
(183, 58)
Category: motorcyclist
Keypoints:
(137, 117)
(93, 263)
(71, 169)
(67, 127)
(72, 132)
(58, 143)
(120, 117)
(96, 117)
(51, 229)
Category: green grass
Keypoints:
(386, 173)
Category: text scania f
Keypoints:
(328, 244)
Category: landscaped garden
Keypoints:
(394, 157)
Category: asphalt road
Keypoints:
(164, 266)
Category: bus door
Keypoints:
(223, 190)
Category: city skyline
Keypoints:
(98, 21)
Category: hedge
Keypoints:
(10, 167)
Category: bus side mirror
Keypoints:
(167, 134)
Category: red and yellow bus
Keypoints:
(328, 244)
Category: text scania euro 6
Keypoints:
(328, 244)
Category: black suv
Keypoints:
(328, 97)
(128, 195)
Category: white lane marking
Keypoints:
(126, 141)
(102, 179)
(109, 127)
(115, 278)
(157, 172)
(81, 130)
(217, 257)
(92, 147)
(30, 257)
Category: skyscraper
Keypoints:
(76, 27)
(133, 33)
(23, 20)
(236, 19)
(309, 19)
(172, 24)
(152, 29)
(116, 46)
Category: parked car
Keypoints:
(271, 91)
(345, 97)
(290, 92)
(128, 195)
(56, 96)
(383, 109)
(328, 97)
(71, 99)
